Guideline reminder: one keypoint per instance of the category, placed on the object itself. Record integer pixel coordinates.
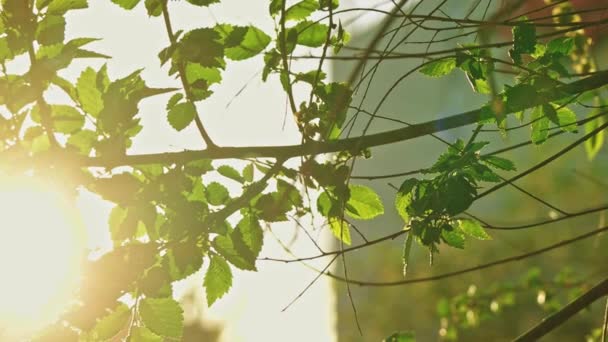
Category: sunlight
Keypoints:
(40, 250)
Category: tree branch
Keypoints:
(313, 148)
(558, 318)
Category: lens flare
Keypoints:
(41, 244)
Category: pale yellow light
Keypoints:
(40, 253)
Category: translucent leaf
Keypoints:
(474, 229)
(181, 115)
(340, 229)
(251, 234)
(404, 198)
(248, 173)
(242, 42)
(567, 119)
(83, 141)
(126, 4)
(311, 34)
(111, 324)
(203, 2)
(561, 45)
(218, 279)
(226, 248)
(51, 30)
(66, 119)
(500, 163)
(88, 93)
(594, 144)
(143, 334)
(216, 193)
(183, 260)
(364, 203)
(230, 172)
(439, 67)
(62, 6)
(301, 10)
(154, 7)
(453, 238)
(540, 126)
(163, 316)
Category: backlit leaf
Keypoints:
(439, 67)
(364, 203)
(474, 229)
(181, 115)
(218, 279)
(163, 316)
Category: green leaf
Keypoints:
(439, 67)
(83, 141)
(202, 46)
(88, 93)
(51, 30)
(216, 193)
(519, 96)
(163, 316)
(183, 260)
(203, 2)
(174, 100)
(311, 34)
(340, 229)
(60, 7)
(524, 38)
(226, 248)
(404, 198)
(540, 126)
(474, 229)
(248, 173)
(301, 10)
(562, 46)
(364, 203)
(499, 163)
(111, 324)
(181, 115)
(154, 7)
(594, 144)
(401, 337)
(122, 224)
(454, 238)
(567, 120)
(126, 4)
(275, 7)
(218, 279)
(230, 172)
(242, 42)
(66, 119)
(251, 234)
(143, 334)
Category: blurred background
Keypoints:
(496, 304)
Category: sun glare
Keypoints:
(40, 248)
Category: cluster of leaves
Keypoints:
(429, 206)
(321, 117)
(468, 310)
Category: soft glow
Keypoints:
(40, 248)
